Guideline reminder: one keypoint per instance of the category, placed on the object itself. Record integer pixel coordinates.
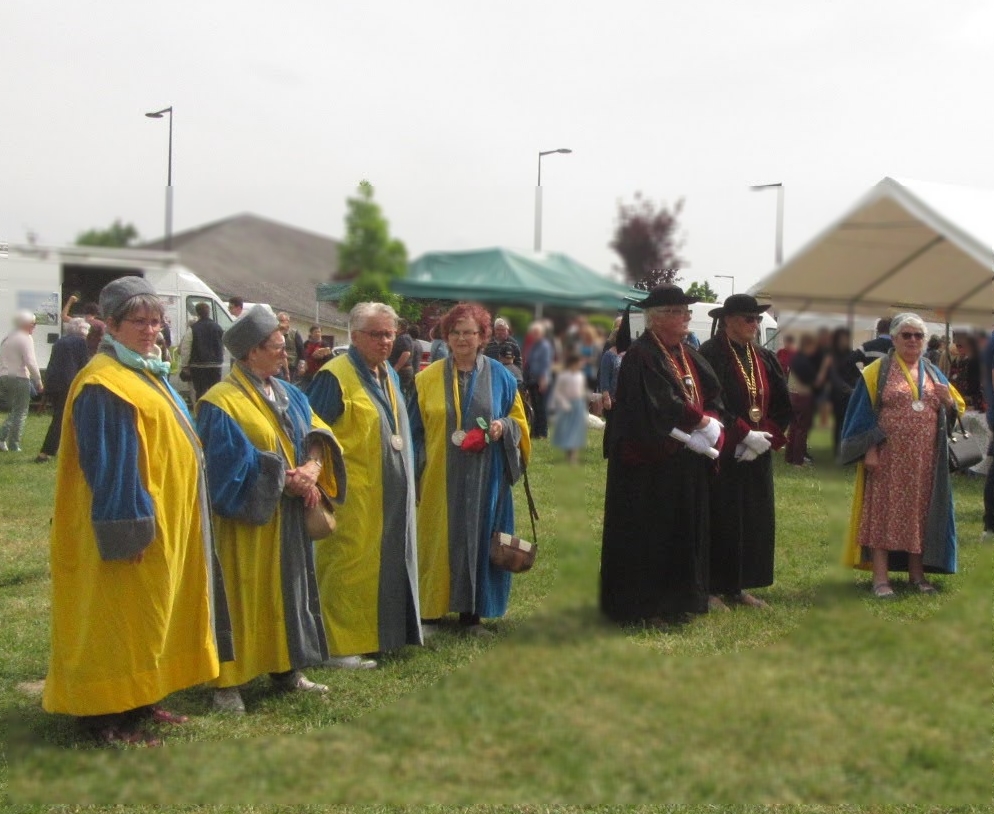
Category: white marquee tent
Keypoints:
(906, 246)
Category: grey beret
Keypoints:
(250, 329)
(119, 291)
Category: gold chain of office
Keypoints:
(682, 371)
(750, 376)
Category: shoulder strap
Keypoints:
(532, 511)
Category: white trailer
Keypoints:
(40, 279)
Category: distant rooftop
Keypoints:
(262, 260)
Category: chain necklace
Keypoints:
(750, 377)
(682, 370)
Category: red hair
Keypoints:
(466, 310)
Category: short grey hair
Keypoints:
(22, 319)
(77, 326)
(500, 322)
(908, 318)
(360, 315)
(148, 302)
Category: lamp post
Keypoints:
(779, 188)
(727, 277)
(538, 197)
(158, 114)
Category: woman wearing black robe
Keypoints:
(757, 412)
(654, 559)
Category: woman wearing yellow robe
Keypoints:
(471, 435)
(138, 607)
(267, 456)
(902, 516)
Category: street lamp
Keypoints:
(727, 277)
(779, 188)
(538, 197)
(158, 114)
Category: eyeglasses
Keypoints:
(145, 324)
(680, 312)
(280, 348)
(912, 335)
(752, 319)
(463, 334)
(379, 335)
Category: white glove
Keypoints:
(743, 453)
(758, 442)
(699, 443)
(711, 431)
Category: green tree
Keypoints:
(371, 258)
(116, 235)
(367, 247)
(702, 291)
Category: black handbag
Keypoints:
(965, 448)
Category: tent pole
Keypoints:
(538, 310)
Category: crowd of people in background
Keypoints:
(202, 519)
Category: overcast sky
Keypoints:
(281, 109)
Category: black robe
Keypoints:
(743, 520)
(654, 558)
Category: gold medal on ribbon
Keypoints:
(755, 414)
(397, 442)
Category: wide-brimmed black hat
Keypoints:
(660, 297)
(739, 304)
(666, 294)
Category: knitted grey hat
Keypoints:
(250, 329)
(119, 291)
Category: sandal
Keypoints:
(923, 586)
(882, 590)
(164, 716)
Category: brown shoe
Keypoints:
(715, 604)
(747, 599)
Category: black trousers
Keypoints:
(204, 378)
(50, 446)
(540, 427)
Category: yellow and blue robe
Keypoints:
(369, 574)
(460, 491)
(266, 555)
(131, 481)
(860, 431)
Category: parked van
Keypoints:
(700, 324)
(41, 278)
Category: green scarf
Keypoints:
(136, 361)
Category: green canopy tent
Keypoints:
(536, 279)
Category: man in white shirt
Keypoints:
(18, 371)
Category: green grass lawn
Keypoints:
(830, 697)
